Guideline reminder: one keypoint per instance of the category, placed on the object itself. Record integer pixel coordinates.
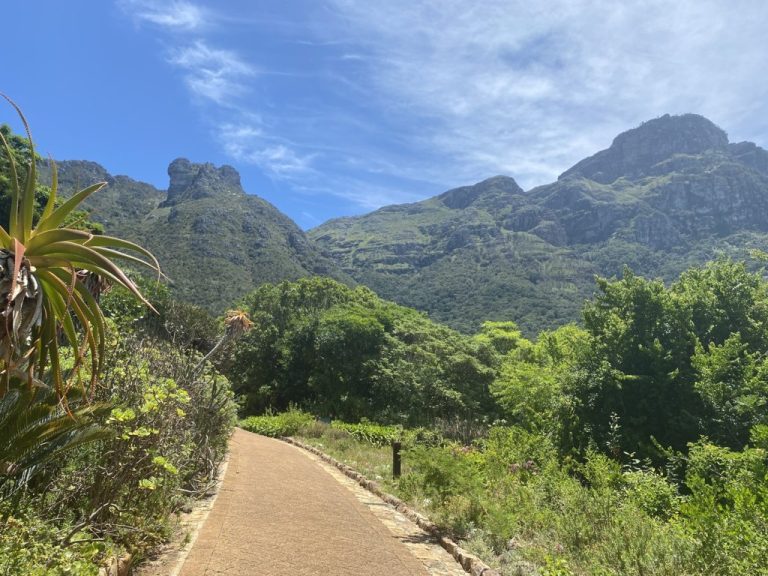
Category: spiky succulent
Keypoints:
(44, 299)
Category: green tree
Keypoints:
(530, 384)
(733, 383)
(666, 365)
(345, 352)
(636, 382)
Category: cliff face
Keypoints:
(190, 181)
(663, 196)
(636, 152)
(673, 180)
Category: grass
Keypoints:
(374, 462)
(520, 520)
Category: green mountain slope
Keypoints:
(215, 242)
(665, 195)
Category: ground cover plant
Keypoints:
(277, 425)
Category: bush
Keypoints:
(652, 493)
(537, 514)
(171, 424)
(278, 425)
(726, 512)
(446, 479)
(371, 433)
(33, 547)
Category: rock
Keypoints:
(498, 186)
(189, 181)
(634, 152)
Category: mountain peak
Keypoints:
(489, 189)
(635, 151)
(191, 181)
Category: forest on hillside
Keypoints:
(636, 443)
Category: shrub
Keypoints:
(726, 512)
(652, 493)
(170, 427)
(539, 515)
(447, 480)
(33, 547)
(284, 424)
(371, 433)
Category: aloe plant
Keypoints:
(44, 299)
(35, 430)
(236, 323)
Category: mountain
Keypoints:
(215, 242)
(668, 194)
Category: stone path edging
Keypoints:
(202, 515)
(469, 562)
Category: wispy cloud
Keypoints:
(174, 15)
(528, 89)
(218, 78)
(248, 143)
(211, 73)
(392, 101)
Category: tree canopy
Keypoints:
(348, 354)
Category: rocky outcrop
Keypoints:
(634, 153)
(496, 191)
(190, 181)
(215, 242)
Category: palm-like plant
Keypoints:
(44, 299)
(35, 430)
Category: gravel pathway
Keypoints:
(284, 511)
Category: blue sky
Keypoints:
(336, 107)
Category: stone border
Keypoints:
(177, 549)
(469, 562)
(204, 510)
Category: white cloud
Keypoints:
(280, 160)
(359, 192)
(248, 143)
(403, 98)
(530, 88)
(174, 15)
(214, 74)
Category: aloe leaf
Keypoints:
(90, 259)
(42, 239)
(5, 239)
(28, 201)
(14, 185)
(60, 214)
(51, 203)
(112, 242)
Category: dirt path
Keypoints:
(282, 511)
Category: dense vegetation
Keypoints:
(345, 353)
(108, 422)
(163, 425)
(637, 444)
